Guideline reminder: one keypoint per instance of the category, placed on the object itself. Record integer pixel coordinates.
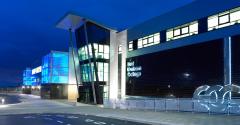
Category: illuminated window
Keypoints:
(106, 52)
(149, 40)
(101, 51)
(55, 68)
(119, 49)
(182, 31)
(130, 46)
(157, 38)
(102, 72)
(224, 19)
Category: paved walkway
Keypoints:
(33, 104)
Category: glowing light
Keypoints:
(186, 74)
(39, 87)
(3, 101)
(55, 68)
(37, 70)
(23, 87)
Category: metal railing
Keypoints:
(210, 106)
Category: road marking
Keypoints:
(29, 117)
(89, 120)
(47, 115)
(60, 122)
(99, 123)
(48, 118)
(72, 117)
(60, 115)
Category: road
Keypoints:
(31, 110)
(60, 119)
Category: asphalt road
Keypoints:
(60, 119)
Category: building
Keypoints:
(50, 77)
(170, 55)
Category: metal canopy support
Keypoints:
(73, 57)
(90, 65)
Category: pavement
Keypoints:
(35, 106)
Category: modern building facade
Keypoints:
(50, 77)
(170, 55)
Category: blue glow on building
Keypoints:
(55, 68)
(27, 77)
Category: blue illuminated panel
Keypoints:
(27, 77)
(55, 68)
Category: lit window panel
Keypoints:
(145, 41)
(100, 76)
(100, 47)
(105, 76)
(193, 28)
(177, 32)
(140, 44)
(95, 47)
(106, 67)
(184, 30)
(169, 35)
(120, 49)
(235, 16)
(100, 66)
(130, 46)
(224, 19)
(157, 38)
(150, 39)
(106, 49)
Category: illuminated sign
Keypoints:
(37, 70)
(133, 71)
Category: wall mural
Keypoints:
(217, 97)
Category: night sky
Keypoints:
(28, 32)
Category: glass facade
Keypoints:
(27, 77)
(130, 46)
(176, 72)
(224, 19)
(55, 68)
(101, 52)
(92, 68)
(102, 72)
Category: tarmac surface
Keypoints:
(33, 109)
(60, 119)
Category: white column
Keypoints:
(122, 38)
(113, 83)
(72, 77)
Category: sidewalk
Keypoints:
(163, 118)
(35, 105)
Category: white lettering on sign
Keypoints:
(133, 71)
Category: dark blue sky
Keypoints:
(28, 32)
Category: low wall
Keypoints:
(210, 106)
